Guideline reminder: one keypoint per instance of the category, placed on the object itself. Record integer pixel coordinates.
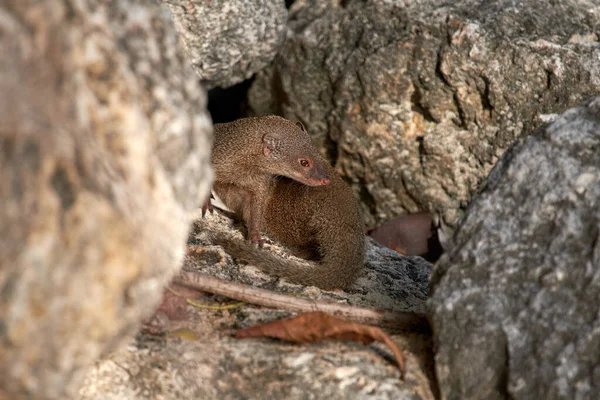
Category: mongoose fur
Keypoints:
(303, 205)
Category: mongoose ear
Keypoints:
(299, 124)
(271, 142)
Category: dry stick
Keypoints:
(406, 321)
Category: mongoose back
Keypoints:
(248, 153)
(319, 222)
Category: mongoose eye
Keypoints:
(305, 163)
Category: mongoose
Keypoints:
(317, 216)
(248, 153)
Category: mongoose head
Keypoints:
(289, 151)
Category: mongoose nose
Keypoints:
(325, 181)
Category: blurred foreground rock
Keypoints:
(415, 101)
(515, 304)
(104, 145)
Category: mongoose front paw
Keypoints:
(257, 240)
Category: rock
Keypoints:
(104, 149)
(390, 280)
(166, 366)
(515, 303)
(414, 101)
(228, 42)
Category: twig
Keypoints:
(218, 308)
(404, 321)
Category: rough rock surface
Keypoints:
(215, 366)
(515, 304)
(104, 144)
(390, 280)
(228, 41)
(414, 101)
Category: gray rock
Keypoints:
(214, 366)
(390, 280)
(104, 141)
(415, 101)
(228, 41)
(515, 305)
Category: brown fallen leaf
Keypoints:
(399, 250)
(315, 326)
(174, 302)
(411, 235)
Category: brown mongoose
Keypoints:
(246, 156)
(321, 222)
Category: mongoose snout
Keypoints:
(313, 174)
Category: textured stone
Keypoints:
(414, 101)
(212, 368)
(104, 149)
(228, 41)
(515, 306)
(390, 280)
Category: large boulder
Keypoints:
(515, 306)
(414, 101)
(104, 149)
(228, 41)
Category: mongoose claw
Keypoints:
(207, 205)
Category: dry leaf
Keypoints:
(174, 303)
(410, 234)
(316, 326)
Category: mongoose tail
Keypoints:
(324, 274)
